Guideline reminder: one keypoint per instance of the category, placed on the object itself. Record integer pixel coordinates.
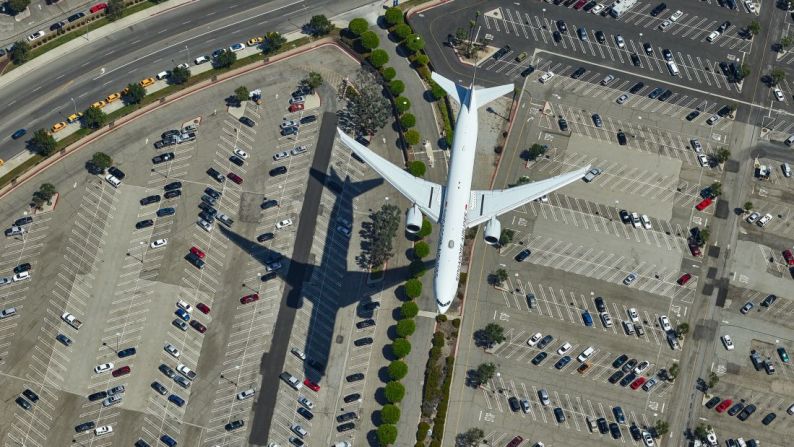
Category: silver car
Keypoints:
(622, 99)
(630, 278)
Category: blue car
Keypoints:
(176, 400)
(587, 319)
(182, 314)
(19, 134)
(167, 440)
(162, 212)
(562, 362)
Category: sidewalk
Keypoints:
(38, 16)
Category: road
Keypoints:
(140, 51)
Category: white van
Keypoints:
(789, 141)
(712, 36)
(201, 59)
(786, 170)
(113, 180)
(673, 68)
(586, 354)
(10, 312)
(628, 326)
(162, 75)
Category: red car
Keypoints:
(684, 279)
(198, 326)
(312, 386)
(723, 405)
(98, 7)
(235, 178)
(704, 204)
(695, 250)
(579, 4)
(789, 257)
(249, 298)
(203, 308)
(123, 371)
(515, 442)
(295, 107)
(196, 251)
(637, 383)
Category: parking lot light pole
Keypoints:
(75, 105)
(118, 340)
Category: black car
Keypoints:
(589, 5)
(617, 375)
(600, 305)
(162, 158)
(269, 204)
(658, 9)
(77, 16)
(502, 52)
(157, 386)
(308, 119)
(165, 369)
(264, 237)
(172, 186)
(603, 425)
(627, 379)
(363, 341)
(292, 130)
(597, 120)
(305, 413)
(692, 115)
(636, 60)
(622, 138)
(628, 366)
(556, 36)
(268, 276)
(599, 35)
(144, 224)
(514, 405)
(666, 95)
(522, 255)
(216, 175)
(363, 324)
(769, 300)
(559, 415)
(279, 170)
(212, 193)
(349, 416)
(195, 260)
(207, 216)
(162, 212)
(66, 341)
(620, 361)
(538, 359)
(768, 418)
(345, 427)
(648, 48)
(712, 402)
(735, 409)
(85, 426)
(527, 71)
(655, 92)
(236, 160)
(563, 124)
(33, 397)
(636, 434)
(625, 217)
(116, 172)
(562, 26)
(355, 377)
(614, 430)
(234, 425)
(724, 68)
(170, 134)
(725, 25)
(127, 352)
(636, 87)
(247, 121)
(668, 56)
(208, 208)
(352, 398)
(578, 73)
(562, 362)
(56, 26)
(748, 410)
(545, 341)
(22, 268)
(150, 199)
(97, 396)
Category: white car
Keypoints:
(778, 93)
(289, 123)
(619, 41)
(750, 6)
(205, 225)
(728, 342)
(597, 8)
(237, 47)
(565, 348)
(665, 322)
(105, 367)
(103, 430)
(185, 371)
(647, 439)
(641, 367)
(284, 224)
(201, 60)
(297, 100)
(243, 395)
(171, 349)
(752, 218)
(635, 317)
(696, 145)
(183, 65)
(21, 276)
(548, 75)
(646, 221)
(185, 306)
(635, 220)
(703, 160)
(630, 278)
(663, 26)
(764, 220)
(533, 340)
(303, 400)
(676, 15)
(159, 243)
(280, 155)
(713, 36)
(37, 35)
(298, 353)
(606, 319)
(241, 153)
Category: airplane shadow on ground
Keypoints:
(332, 288)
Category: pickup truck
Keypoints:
(756, 359)
(71, 320)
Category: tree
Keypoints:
(427, 228)
(386, 434)
(402, 103)
(44, 194)
(357, 26)
(17, 6)
(378, 58)
(713, 380)
(368, 111)
(43, 143)
(319, 25)
(241, 94)
(754, 27)
(409, 309)
(94, 118)
(135, 93)
(273, 42)
(421, 249)
(408, 121)
(748, 206)
(396, 87)
(506, 237)
(180, 75)
(414, 42)
(704, 236)
(471, 438)
(682, 329)
(313, 80)
(662, 427)
(702, 430)
(412, 137)
(388, 74)
(384, 227)
(369, 40)
(786, 42)
(673, 370)
(491, 334)
(413, 288)
(535, 151)
(716, 189)
(406, 327)
(402, 31)
(417, 168)
(744, 71)
(398, 369)
(500, 275)
(101, 161)
(390, 414)
(20, 52)
(394, 391)
(394, 16)
(225, 59)
(723, 154)
(400, 348)
(484, 373)
(115, 10)
(777, 75)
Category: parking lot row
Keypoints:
(781, 314)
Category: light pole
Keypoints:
(118, 340)
(544, 17)
(75, 105)
(188, 55)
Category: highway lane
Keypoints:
(159, 43)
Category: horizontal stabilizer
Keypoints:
(455, 91)
(483, 96)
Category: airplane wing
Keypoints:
(485, 204)
(426, 195)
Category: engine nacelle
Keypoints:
(493, 230)
(413, 220)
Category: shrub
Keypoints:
(180, 75)
(421, 249)
(402, 31)
(394, 391)
(414, 43)
(390, 414)
(358, 26)
(436, 90)
(397, 369)
(456, 323)
(394, 16)
(388, 73)
(422, 59)
(441, 318)
(396, 87)
(378, 58)
(406, 327)
(369, 40)
(409, 309)
(427, 228)
(413, 288)
(402, 103)
(401, 348)
(386, 434)
(424, 72)
(417, 168)
(417, 268)
(412, 137)
(408, 121)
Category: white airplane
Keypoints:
(455, 206)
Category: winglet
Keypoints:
(455, 91)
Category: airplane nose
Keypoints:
(444, 296)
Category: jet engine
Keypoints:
(493, 229)
(413, 220)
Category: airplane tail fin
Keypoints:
(485, 95)
(455, 91)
